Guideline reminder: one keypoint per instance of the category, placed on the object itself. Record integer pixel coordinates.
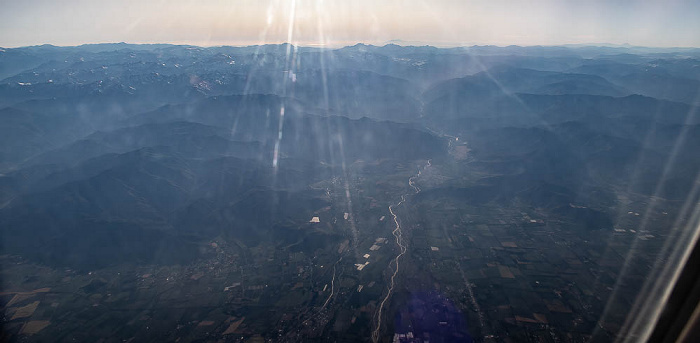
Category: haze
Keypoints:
(338, 23)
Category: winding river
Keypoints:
(403, 247)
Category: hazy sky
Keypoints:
(336, 22)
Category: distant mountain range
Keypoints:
(140, 150)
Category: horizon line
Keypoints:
(384, 44)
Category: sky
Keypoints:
(342, 22)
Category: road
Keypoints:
(332, 284)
